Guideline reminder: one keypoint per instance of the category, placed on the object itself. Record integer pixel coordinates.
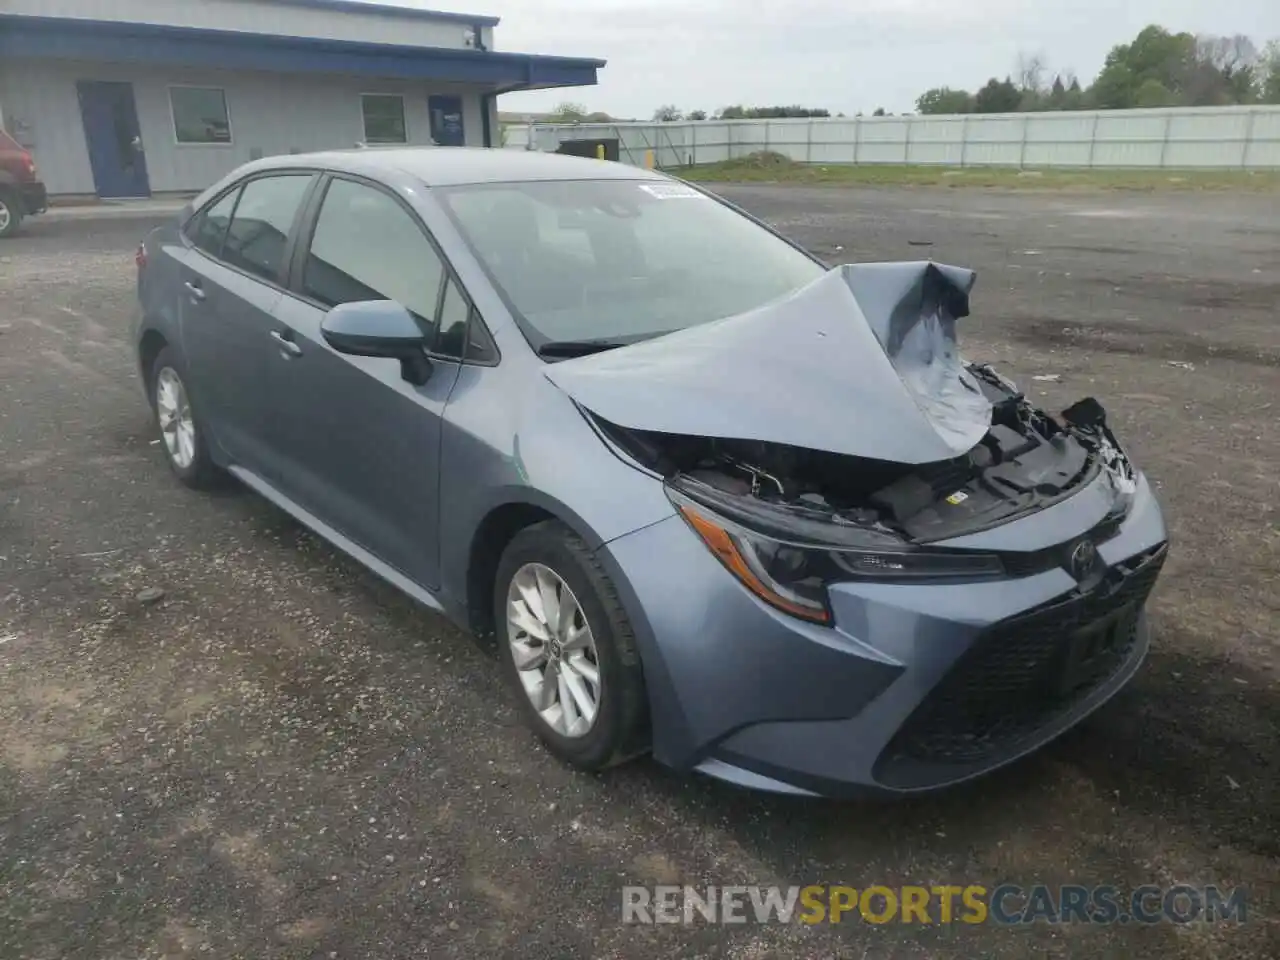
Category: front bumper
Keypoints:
(35, 198)
(915, 687)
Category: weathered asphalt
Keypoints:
(284, 758)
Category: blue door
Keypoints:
(114, 139)
(446, 121)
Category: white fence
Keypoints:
(1211, 137)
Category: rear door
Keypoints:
(231, 278)
(360, 446)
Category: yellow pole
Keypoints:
(599, 151)
(648, 159)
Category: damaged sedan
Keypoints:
(709, 498)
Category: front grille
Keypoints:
(1058, 556)
(1023, 674)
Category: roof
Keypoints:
(25, 36)
(454, 166)
(394, 10)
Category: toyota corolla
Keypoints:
(712, 499)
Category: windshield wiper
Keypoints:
(565, 349)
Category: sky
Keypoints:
(844, 55)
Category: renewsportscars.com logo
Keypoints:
(1005, 904)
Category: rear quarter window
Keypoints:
(208, 228)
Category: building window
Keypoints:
(200, 115)
(383, 118)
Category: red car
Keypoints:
(21, 192)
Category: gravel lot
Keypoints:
(284, 758)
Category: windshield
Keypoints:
(621, 260)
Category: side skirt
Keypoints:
(343, 543)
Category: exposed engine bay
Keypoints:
(1027, 460)
(845, 413)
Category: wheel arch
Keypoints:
(13, 201)
(149, 347)
(493, 533)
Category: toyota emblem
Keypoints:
(1083, 559)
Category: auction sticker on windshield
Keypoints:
(672, 191)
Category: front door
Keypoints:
(358, 445)
(446, 121)
(114, 139)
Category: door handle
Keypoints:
(286, 345)
(194, 290)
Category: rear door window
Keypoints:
(259, 230)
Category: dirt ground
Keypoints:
(283, 758)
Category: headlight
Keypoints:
(791, 569)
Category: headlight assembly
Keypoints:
(790, 570)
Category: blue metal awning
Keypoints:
(97, 40)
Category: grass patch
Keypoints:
(769, 167)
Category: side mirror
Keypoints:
(379, 328)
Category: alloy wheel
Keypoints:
(6, 216)
(177, 426)
(553, 649)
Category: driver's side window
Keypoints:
(367, 247)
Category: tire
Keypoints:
(619, 729)
(10, 214)
(188, 456)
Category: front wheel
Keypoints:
(568, 649)
(10, 215)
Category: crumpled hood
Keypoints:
(861, 362)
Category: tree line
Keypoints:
(670, 112)
(1157, 69)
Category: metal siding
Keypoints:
(1209, 137)
(1056, 154)
(377, 26)
(1264, 144)
(835, 141)
(674, 145)
(42, 110)
(713, 142)
(270, 114)
(937, 140)
(745, 139)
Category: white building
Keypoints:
(130, 98)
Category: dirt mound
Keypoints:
(766, 160)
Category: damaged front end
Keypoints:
(856, 450)
(788, 521)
